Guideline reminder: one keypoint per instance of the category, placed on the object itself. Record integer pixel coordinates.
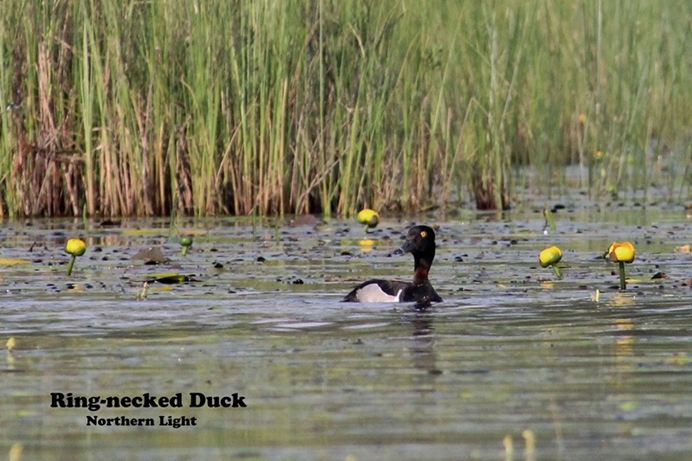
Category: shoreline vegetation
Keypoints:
(148, 108)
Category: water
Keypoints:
(512, 352)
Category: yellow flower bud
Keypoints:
(368, 217)
(75, 247)
(550, 256)
(621, 252)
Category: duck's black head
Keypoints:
(420, 241)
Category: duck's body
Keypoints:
(420, 242)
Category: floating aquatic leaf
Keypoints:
(171, 279)
(8, 261)
(141, 232)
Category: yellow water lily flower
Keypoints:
(75, 247)
(550, 256)
(621, 252)
(369, 218)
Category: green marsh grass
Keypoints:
(326, 106)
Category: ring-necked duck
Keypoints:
(420, 241)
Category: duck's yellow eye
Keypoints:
(423, 234)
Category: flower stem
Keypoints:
(557, 271)
(623, 284)
(70, 265)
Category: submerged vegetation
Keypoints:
(117, 107)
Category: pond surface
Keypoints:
(514, 365)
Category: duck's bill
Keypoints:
(406, 248)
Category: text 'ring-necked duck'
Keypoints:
(420, 242)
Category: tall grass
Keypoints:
(273, 107)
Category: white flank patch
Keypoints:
(372, 293)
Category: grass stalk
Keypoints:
(131, 108)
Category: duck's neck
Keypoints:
(421, 268)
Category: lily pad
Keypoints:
(9, 262)
(171, 279)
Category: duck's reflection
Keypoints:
(422, 347)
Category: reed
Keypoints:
(245, 107)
